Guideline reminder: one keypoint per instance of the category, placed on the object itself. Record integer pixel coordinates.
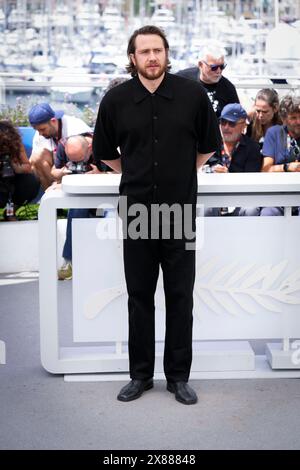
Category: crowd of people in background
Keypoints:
(264, 138)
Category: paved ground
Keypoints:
(41, 411)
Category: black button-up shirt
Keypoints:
(246, 157)
(158, 135)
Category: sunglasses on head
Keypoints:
(215, 67)
(223, 122)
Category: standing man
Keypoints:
(209, 73)
(158, 121)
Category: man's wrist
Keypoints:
(286, 166)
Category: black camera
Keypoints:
(6, 170)
(77, 168)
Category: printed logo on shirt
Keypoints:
(213, 100)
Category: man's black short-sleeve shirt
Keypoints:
(158, 136)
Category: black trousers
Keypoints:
(142, 259)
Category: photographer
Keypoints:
(17, 183)
(74, 156)
(51, 127)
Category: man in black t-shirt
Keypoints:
(209, 73)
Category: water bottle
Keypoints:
(10, 210)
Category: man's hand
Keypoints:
(220, 169)
(53, 186)
(65, 171)
(94, 170)
(294, 166)
(58, 173)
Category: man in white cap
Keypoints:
(51, 126)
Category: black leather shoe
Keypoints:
(134, 389)
(183, 392)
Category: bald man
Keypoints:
(76, 149)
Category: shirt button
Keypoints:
(155, 186)
(155, 163)
(155, 141)
(154, 117)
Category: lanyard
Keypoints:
(292, 147)
(226, 159)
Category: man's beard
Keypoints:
(52, 133)
(231, 137)
(295, 131)
(155, 74)
(215, 79)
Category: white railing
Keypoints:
(10, 81)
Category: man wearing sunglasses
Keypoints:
(209, 72)
(239, 154)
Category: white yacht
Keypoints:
(163, 17)
(112, 20)
(71, 85)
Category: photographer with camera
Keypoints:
(17, 183)
(74, 156)
(51, 127)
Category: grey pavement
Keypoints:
(41, 411)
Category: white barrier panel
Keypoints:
(247, 284)
(16, 256)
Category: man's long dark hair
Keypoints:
(149, 29)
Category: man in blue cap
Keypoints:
(51, 126)
(239, 153)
